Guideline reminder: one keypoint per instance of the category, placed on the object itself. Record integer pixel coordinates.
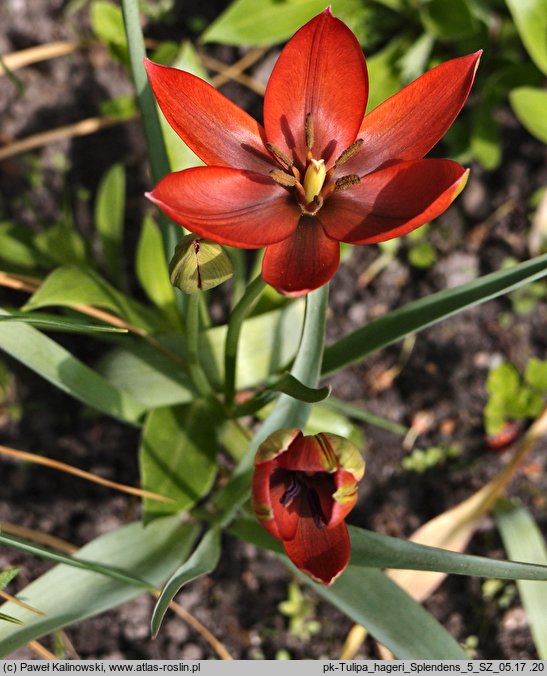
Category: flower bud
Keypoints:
(199, 265)
(302, 490)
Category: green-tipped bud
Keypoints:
(199, 265)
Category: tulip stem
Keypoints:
(288, 412)
(159, 162)
(239, 314)
(192, 345)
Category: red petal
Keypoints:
(393, 201)
(322, 553)
(261, 497)
(304, 261)
(321, 71)
(306, 454)
(275, 444)
(217, 130)
(345, 481)
(230, 206)
(410, 123)
(286, 517)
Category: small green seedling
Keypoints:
(298, 609)
(511, 397)
(420, 460)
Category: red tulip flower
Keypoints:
(320, 171)
(303, 489)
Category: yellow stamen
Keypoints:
(314, 179)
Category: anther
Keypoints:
(313, 207)
(348, 153)
(279, 155)
(314, 504)
(346, 182)
(309, 131)
(286, 180)
(293, 489)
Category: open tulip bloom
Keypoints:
(320, 171)
(303, 489)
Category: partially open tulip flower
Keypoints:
(303, 489)
(320, 171)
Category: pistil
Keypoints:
(314, 179)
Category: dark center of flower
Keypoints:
(299, 484)
(316, 184)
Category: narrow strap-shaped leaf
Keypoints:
(58, 323)
(288, 412)
(371, 599)
(152, 270)
(50, 555)
(523, 539)
(422, 313)
(66, 594)
(291, 386)
(72, 285)
(9, 618)
(62, 369)
(109, 217)
(381, 551)
(203, 560)
(374, 550)
(287, 384)
(530, 19)
(159, 163)
(361, 414)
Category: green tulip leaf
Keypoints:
(177, 457)
(425, 312)
(61, 244)
(109, 217)
(62, 369)
(374, 550)
(17, 246)
(529, 105)
(107, 23)
(523, 539)
(66, 594)
(9, 618)
(530, 18)
(57, 323)
(449, 20)
(73, 285)
(268, 342)
(292, 387)
(152, 271)
(203, 561)
(268, 22)
(369, 598)
(50, 555)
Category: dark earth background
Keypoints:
(444, 376)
